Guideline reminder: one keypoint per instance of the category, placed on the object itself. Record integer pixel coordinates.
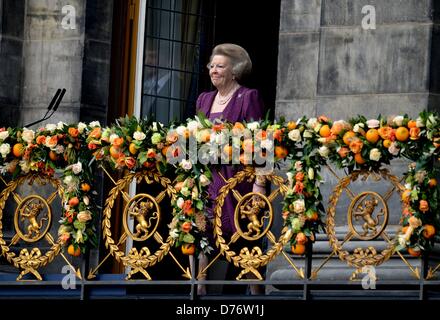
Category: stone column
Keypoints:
(53, 58)
(11, 54)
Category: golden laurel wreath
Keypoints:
(360, 257)
(142, 259)
(29, 261)
(255, 258)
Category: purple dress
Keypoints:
(245, 105)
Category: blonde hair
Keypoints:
(240, 60)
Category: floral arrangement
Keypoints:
(307, 144)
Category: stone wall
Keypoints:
(52, 59)
(11, 53)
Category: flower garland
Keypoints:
(308, 144)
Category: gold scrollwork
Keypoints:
(250, 260)
(362, 206)
(28, 212)
(140, 206)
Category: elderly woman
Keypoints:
(234, 103)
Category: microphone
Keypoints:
(53, 106)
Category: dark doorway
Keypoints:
(254, 25)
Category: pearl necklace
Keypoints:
(224, 99)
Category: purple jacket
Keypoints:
(245, 104)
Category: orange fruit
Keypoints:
(313, 217)
(53, 156)
(412, 124)
(428, 231)
(74, 252)
(85, 187)
(73, 201)
(281, 152)
(301, 238)
(324, 131)
(298, 249)
(358, 158)
(402, 134)
(132, 148)
(432, 182)
(348, 136)
(372, 136)
(114, 152)
(387, 143)
(404, 229)
(414, 253)
(291, 125)
(188, 249)
(18, 150)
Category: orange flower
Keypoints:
(73, 132)
(261, 135)
(178, 186)
(218, 127)
(172, 136)
(298, 188)
(343, 152)
(423, 206)
(323, 118)
(92, 146)
(278, 135)
(386, 133)
(117, 142)
(356, 145)
(337, 128)
(151, 153)
(96, 133)
(414, 133)
(130, 162)
(187, 207)
(299, 176)
(120, 161)
(186, 226)
(41, 140)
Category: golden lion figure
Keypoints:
(366, 213)
(251, 210)
(31, 212)
(140, 212)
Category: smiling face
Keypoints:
(220, 71)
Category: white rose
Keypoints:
(373, 123)
(312, 122)
(420, 123)
(195, 193)
(113, 137)
(322, 140)
(139, 135)
(156, 138)
(180, 202)
(408, 186)
(290, 178)
(253, 125)
(308, 134)
(295, 135)
(25, 166)
(84, 216)
(402, 240)
(357, 127)
(204, 181)
(181, 130)
(4, 135)
(324, 151)
(154, 126)
(5, 148)
(185, 191)
(393, 149)
(60, 125)
(79, 236)
(299, 206)
(86, 200)
(186, 164)
(50, 143)
(431, 121)
(174, 233)
(77, 167)
(81, 127)
(398, 121)
(193, 125)
(311, 174)
(298, 166)
(27, 135)
(50, 127)
(94, 124)
(67, 180)
(375, 154)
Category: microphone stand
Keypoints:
(53, 106)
